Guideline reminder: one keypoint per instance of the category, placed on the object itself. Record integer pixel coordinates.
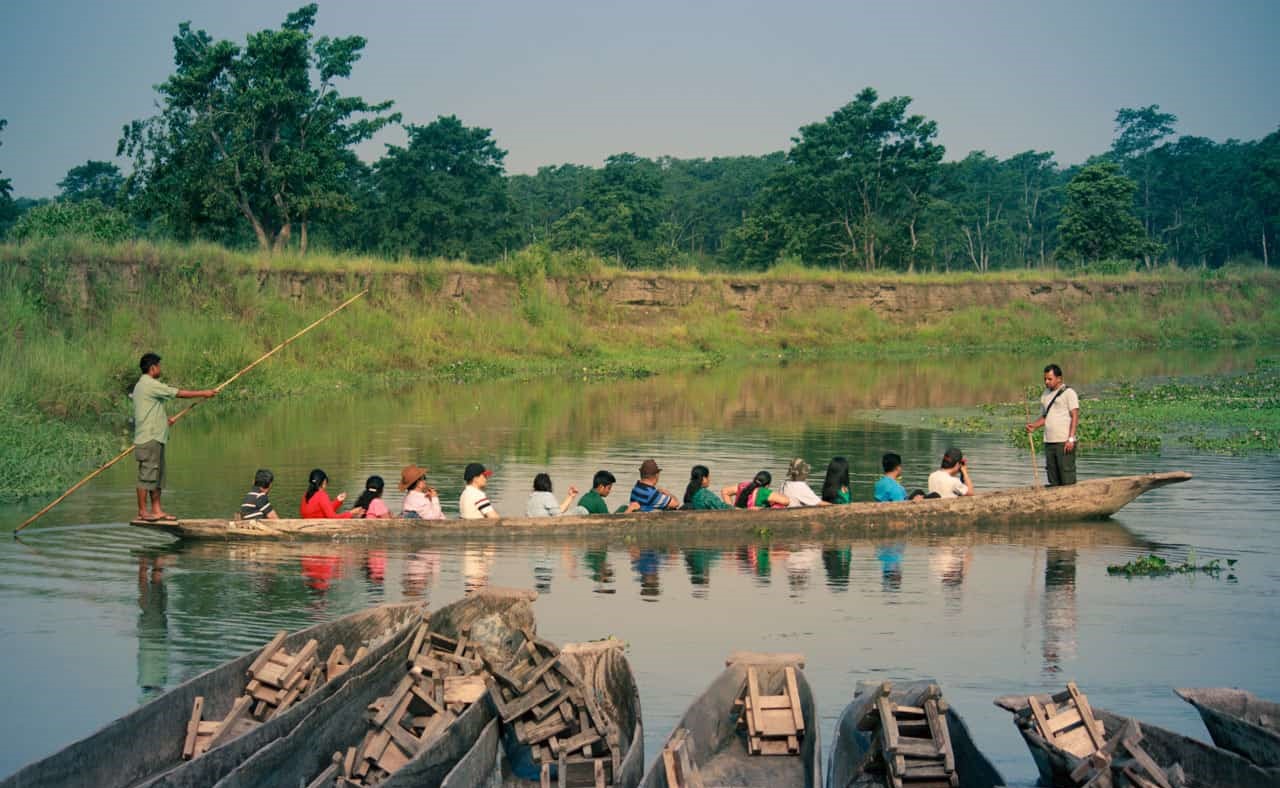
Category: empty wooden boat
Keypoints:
(858, 750)
(710, 738)
(1239, 721)
(145, 746)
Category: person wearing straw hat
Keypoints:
(420, 501)
(151, 432)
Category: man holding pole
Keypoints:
(1060, 416)
(151, 432)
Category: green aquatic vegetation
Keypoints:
(1155, 566)
(968, 425)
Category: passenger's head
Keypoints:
(649, 469)
(373, 487)
(476, 475)
(916, 495)
(837, 478)
(263, 478)
(542, 483)
(603, 482)
(761, 479)
(315, 482)
(411, 476)
(798, 471)
(951, 458)
(890, 462)
(1052, 376)
(699, 477)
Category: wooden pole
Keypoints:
(1031, 438)
(184, 412)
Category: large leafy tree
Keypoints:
(8, 211)
(620, 214)
(93, 180)
(1138, 133)
(1098, 221)
(443, 194)
(857, 180)
(258, 132)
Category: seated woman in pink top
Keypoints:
(316, 503)
(420, 501)
(371, 500)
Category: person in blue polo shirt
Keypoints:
(647, 495)
(888, 488)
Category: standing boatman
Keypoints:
(151, 433)
(1060, 416)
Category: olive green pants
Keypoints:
(1059, 464)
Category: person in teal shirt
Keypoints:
(698, 495)
(888, 488)
(151, 433)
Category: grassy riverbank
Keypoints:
(75, 316)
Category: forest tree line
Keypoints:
(253, 145)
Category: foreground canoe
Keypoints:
(719, 748)
(606, 672)
(1089, 500)
(495, 618)
(144, 747)
(1204, 765)
(1239, 721)
(851, 748)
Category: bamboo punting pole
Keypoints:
(1031, 438)
(185, 411)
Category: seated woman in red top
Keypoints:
(316, 503)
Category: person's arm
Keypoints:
(196, 393)
(1035, 425)
(778, 499)
(667, 501)
(273, 515)
(729, 494)
(491, 513)
(1071, 432)
(968, 480)
(568, 500)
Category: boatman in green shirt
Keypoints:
(151, 432)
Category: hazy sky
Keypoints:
(576, 81)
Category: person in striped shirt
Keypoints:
(474, 504)
(647, 495)
(256, 505)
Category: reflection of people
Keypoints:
(835, 487)
(597, 561)
(474, 504)
(888, 487)
(837, 562)
(316, 503)
(151, 433)
(1060, 416)
(419, 572)
(800, 564)
(890, 558)
(256, 504)
(476, 563)
(951, 480)
(319, 571)
(375, 567)
(698, 562)
(420, 501)
(153, 628)
(646, 564)
(1059, 625)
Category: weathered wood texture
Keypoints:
(720, 749)
(1239, 721)
(1088, 500)
(1204, 765)
(852, 749)
(144, 747)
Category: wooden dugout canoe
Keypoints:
(1089, 500)
(606, 671)
(495, 617)
(1204, 765)
(144, 747)
(720, 748)
(851, 747)
(1239, 721)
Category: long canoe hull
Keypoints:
(719, 748)
(144, 747)
(1239, 721)
(851, 747)
(606, 671)
(1089, 500)
(1204, 765)
(495, 618)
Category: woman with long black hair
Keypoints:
(316, 503)
(698, 494)
(371, 500)
(756, 494)
(835, 488)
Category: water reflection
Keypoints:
(1060, 623)
(153, 628)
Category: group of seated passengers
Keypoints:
(422, 502)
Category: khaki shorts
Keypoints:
(150, 465)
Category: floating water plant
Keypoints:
(1155, 566)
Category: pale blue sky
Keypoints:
(576, 81)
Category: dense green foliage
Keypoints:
(83, 218)
(1155, 566)
(254, 144)
(8, 211)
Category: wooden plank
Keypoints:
(525, 702)
(1041, 718)
(774, 747)
(407, 742)
(463, 689)
(941, 734)
(530, 678)
(393, 701)
(753, 694)
(393, 759)
(793, 692)
(266, 652)
(544, 778)
(916, 748)
(1064, 720)
(775, 723)
(768, 701)
(193, 728)
(1153, 769)
(415, 648)
(300, 659)
(349, 761)
(599, 766)
(1096, 733)
(334, 666)
(428, 697)
(532, 733)
(238, 709)
(764, 658)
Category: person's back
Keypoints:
(646, 496)
(796, 489)
(952, 479)
(888, 488)
(594, 500)
(257, 504)
(474, 503)
(542, 504)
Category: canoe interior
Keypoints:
(1089, 500)
(851, 748)
(720, 748)
(1239, 721)
(1204, 765)
(606, 672)
(144, 747)
(495, 616)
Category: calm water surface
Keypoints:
(97, 616)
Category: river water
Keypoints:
(97, 616)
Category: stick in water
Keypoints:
(184, 412)
(1031, 438)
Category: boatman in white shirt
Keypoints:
(1060, 416)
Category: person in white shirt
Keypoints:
(543, 503)
(952, 479)
(797, 489)
(1060, 416)
(473, 504)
